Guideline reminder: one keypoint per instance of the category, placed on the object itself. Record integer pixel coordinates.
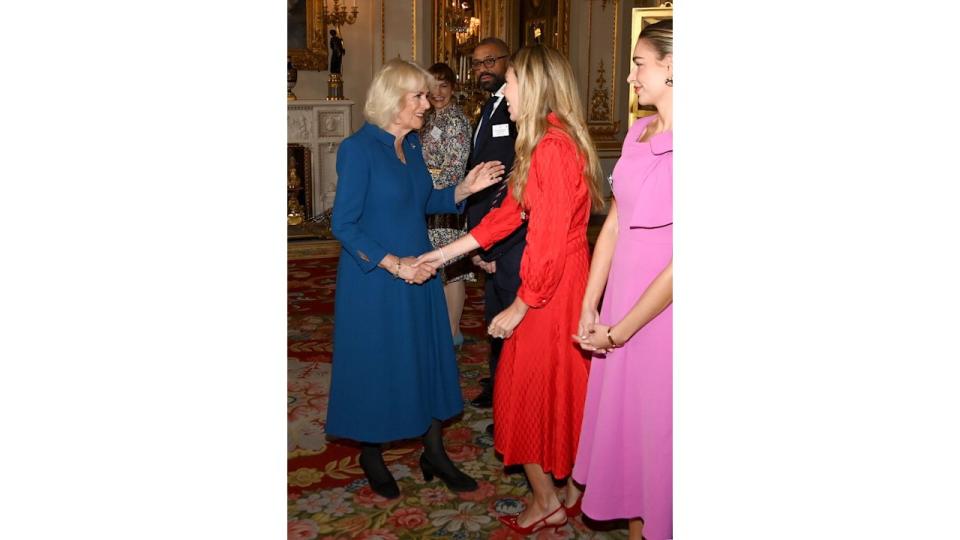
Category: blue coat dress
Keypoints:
(394, 368)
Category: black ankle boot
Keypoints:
(434, 461)
(454, 478)
(381, 481)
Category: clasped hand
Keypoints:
(591, 335)
(412, 272)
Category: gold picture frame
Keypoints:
(307, 35)
(641, 18)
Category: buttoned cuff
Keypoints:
(532, 299)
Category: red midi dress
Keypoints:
(542, 375)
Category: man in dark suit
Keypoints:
(493, 139)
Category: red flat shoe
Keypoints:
(536, 526)
(574, 511)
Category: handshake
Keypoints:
(420, 269)
(417, 270)
(414, 271)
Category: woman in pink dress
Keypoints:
(625, 457)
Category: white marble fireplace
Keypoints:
(320, 125)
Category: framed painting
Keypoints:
(307, 34)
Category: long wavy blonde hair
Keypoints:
(546, 84)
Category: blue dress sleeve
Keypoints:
(353, 181)
(440, 201)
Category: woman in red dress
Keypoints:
(542, 376)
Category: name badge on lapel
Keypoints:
(501, 130)
(435, 133)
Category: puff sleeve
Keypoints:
(555, 174)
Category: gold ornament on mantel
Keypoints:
(294, 209)
(293, 180)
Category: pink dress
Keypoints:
(625, 457)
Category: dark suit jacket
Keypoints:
(508, 251)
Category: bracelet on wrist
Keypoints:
(613, 343)
(397, 275)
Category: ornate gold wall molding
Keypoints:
(413, 30)
(563, 24)
(613, 58)
(373, 33)
(496, 16)
(603, 122)
(504, 7)
(600, 100)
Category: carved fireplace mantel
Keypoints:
(320, 125)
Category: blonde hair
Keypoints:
(546, 84)
(391, 83)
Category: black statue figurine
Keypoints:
(336, 53)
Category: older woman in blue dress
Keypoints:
(394, 370)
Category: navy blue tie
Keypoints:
(484, 120)
(488, 108)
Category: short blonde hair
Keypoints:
(392, 82)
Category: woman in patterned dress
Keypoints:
(446, 146)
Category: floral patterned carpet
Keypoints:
(328, 495)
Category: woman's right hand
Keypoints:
(416, 274)
(589, 316)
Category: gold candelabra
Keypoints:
(339, 16)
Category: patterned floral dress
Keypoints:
(445, 137)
